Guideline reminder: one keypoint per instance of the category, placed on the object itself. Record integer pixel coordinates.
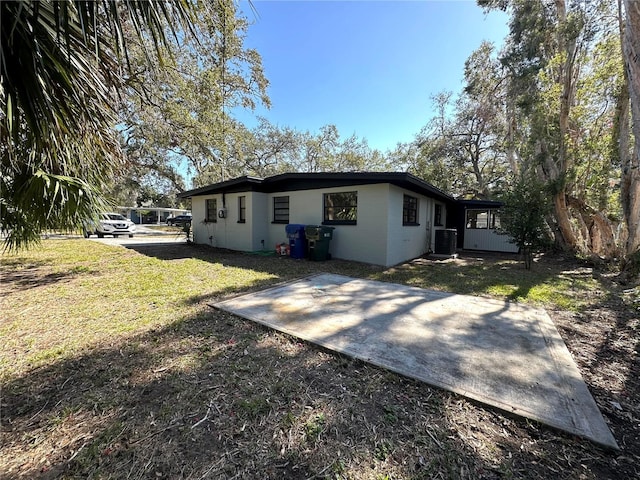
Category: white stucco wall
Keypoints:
(408, 241)
(365, 242)
(378, 237)
(227, 232)
(488, 239)
(258, 219)
(202, 231)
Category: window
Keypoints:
(437, 217)
(483, 219)
(242, 209)
(410, 211)
(280, 209)
(341, 208)
(212, 210)
(479, 220)
(494, 222)
(476, 219)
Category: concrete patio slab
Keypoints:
(502, 354)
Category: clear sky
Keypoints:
(369, 67)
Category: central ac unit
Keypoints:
(222, 213)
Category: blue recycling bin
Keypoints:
(297, 240)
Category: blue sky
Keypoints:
(369, 67)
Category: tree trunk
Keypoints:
(566, 77)
(528, 257)
(630, 187)
(602, 236)
(598, 230)
(512, 156)
(563, 218)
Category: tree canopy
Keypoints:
(124, 97)
(182, 110)
(567, 64)
(62, 65)
(553, 102)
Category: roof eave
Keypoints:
(401, 179)
(221, 186)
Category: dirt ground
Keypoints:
(215, 396)
(605, 344)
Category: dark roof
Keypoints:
(240, 184)
(480, 203)
(308, 181)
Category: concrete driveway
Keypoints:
(502, 354)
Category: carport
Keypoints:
(499, 353)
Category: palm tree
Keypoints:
(62, 65)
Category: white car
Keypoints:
(110, 224)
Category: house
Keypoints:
(479, 227)
(379, 218)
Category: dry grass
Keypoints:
(113, 366)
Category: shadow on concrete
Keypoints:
(502, 354)
(217, 397)
(214, 396)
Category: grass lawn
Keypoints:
(112, 365)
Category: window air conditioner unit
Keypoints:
(222, 213)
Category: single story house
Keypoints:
(478, 227)
(379, 218)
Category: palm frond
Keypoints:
(60, 73)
